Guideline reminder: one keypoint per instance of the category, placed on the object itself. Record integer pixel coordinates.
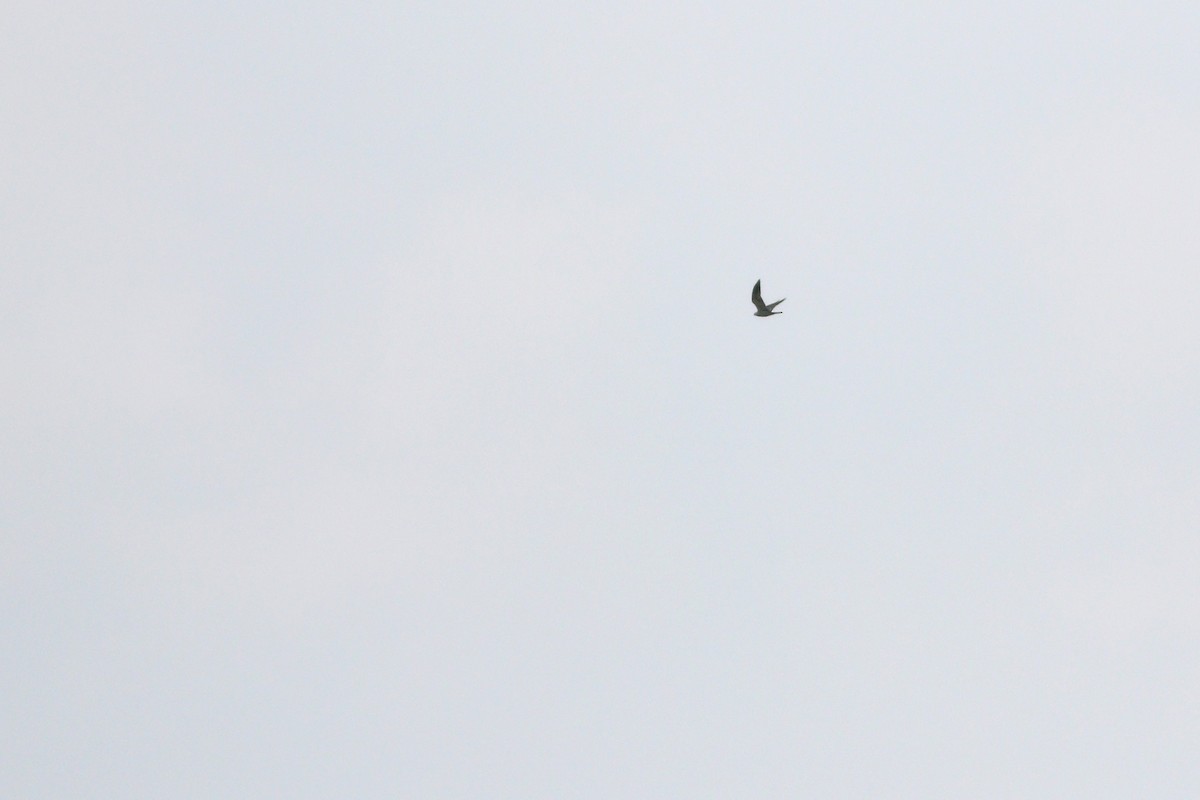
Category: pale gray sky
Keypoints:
(385, 415)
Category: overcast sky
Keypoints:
(384, 414)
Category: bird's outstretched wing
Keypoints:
(756, 296)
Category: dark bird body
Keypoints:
(764, 310)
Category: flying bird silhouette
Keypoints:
(764, 310)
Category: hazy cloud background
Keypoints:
(384, 414)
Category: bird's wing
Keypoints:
(756, 297)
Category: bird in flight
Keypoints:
(764, 310)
